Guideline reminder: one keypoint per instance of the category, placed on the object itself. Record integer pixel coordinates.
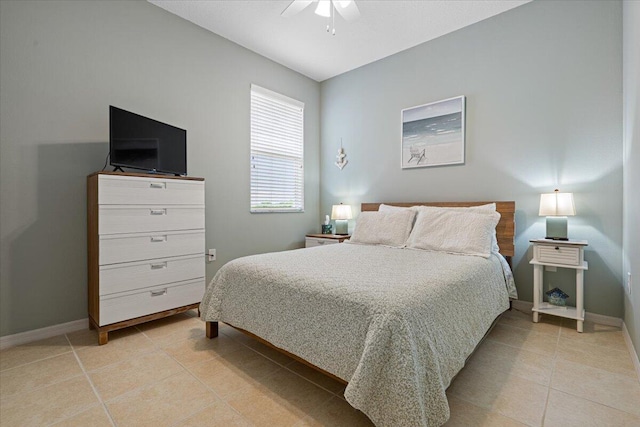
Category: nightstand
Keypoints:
(564, 254)
(312, 240)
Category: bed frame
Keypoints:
(505, 232)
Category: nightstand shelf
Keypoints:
(563, 254)
(567, 312)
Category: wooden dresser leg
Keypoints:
(212, 329)
(103, 338)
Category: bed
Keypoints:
(396, 324)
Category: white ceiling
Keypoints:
(301, 42)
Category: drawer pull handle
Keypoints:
(158, 266)
(158, 238)
(321, 242)
(159, 293)
(158, 185)
(557, 248)
(158, 211)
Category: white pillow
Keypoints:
(383, 228)
(490, 207)
(458, 231)
(390, 208)
(494, 239)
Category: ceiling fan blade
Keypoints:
(347, 9)
(294, 7)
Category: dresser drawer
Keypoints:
(129, 305)
(136, 275)
(558, 254)
(135, 247)
(121, 190)
(144, 219)
(310, 242)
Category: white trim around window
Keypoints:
(277, 152)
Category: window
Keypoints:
(277, 172)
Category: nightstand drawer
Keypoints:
(557, 254)
(310, 242)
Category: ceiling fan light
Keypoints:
(324, 8)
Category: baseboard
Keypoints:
(604, 320)
(632, 349)
(591, 317)
(42, 333)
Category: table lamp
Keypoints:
(556, 207)
(341, 214)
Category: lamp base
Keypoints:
(557, 228)
(342, 226)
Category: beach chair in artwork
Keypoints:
(417, 153)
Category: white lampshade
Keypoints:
(557, 204)
(341, 212)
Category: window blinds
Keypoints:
(277, 172)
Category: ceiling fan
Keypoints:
(327, 8)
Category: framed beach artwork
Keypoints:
(433, 134)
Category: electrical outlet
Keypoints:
(629, 282)
(212, 255)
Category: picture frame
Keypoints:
(433, 134)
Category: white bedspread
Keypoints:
(397, 324)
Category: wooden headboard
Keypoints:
(505, 230)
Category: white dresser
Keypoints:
(146, 242)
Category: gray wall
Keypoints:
(62, 64)
(631, 228)
(544, 110)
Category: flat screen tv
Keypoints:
(142, 143)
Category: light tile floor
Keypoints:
(167, 373)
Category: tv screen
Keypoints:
(141, 143)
